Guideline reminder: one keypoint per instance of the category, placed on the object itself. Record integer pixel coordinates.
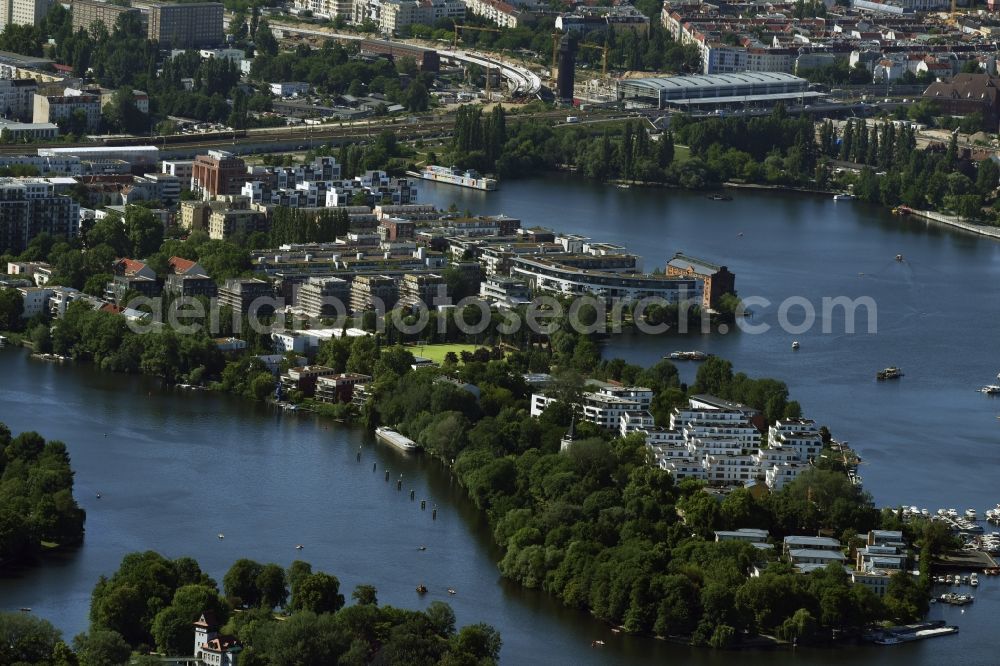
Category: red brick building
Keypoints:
(966, 94)
(717, 279)
(217, 173)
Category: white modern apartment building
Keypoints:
(721, 445)
(605, 407)
(556, 276)
(799, 435)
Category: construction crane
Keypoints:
(454, 43)
(604, 56)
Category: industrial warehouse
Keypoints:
(714, 91)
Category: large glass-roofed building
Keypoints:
(715, 90)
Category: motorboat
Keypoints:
(990, 389)
(892, 372)
(844, 196)
(795, 344)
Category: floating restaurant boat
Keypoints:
(892, 372)
(393, 438)
(454, 176)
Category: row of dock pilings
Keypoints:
(399, 487)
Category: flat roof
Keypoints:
(812, 540)
(48, 152)
(714, 80)
(819, 554)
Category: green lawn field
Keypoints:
(437, 353)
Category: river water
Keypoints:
(176, 468)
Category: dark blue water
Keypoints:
(177, 468)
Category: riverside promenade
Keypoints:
(953, 221)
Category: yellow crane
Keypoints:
(454, 43)
(604, 56)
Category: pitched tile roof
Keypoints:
(180, 265)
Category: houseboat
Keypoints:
(393, 438)
(688, 356)
(454, 176)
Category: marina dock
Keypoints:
(914, 632)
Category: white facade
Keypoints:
(289, 88)
(495, 11)
(392, 15)
(604, 407)
(635, 420)
(328, 9)
(36, 300)
(556, 278)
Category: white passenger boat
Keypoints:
(393, 438)
(453, 176)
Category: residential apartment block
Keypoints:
(499, 12)
(88, 12)
(60, 108)
(23, 12)
(183, 25)
(392, 15)
(17, 98)
(328, 9)
(29, 207)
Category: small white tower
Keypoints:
(204, 631)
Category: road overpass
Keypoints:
(520, 81)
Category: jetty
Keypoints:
(963, 560)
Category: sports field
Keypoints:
(437, 353)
